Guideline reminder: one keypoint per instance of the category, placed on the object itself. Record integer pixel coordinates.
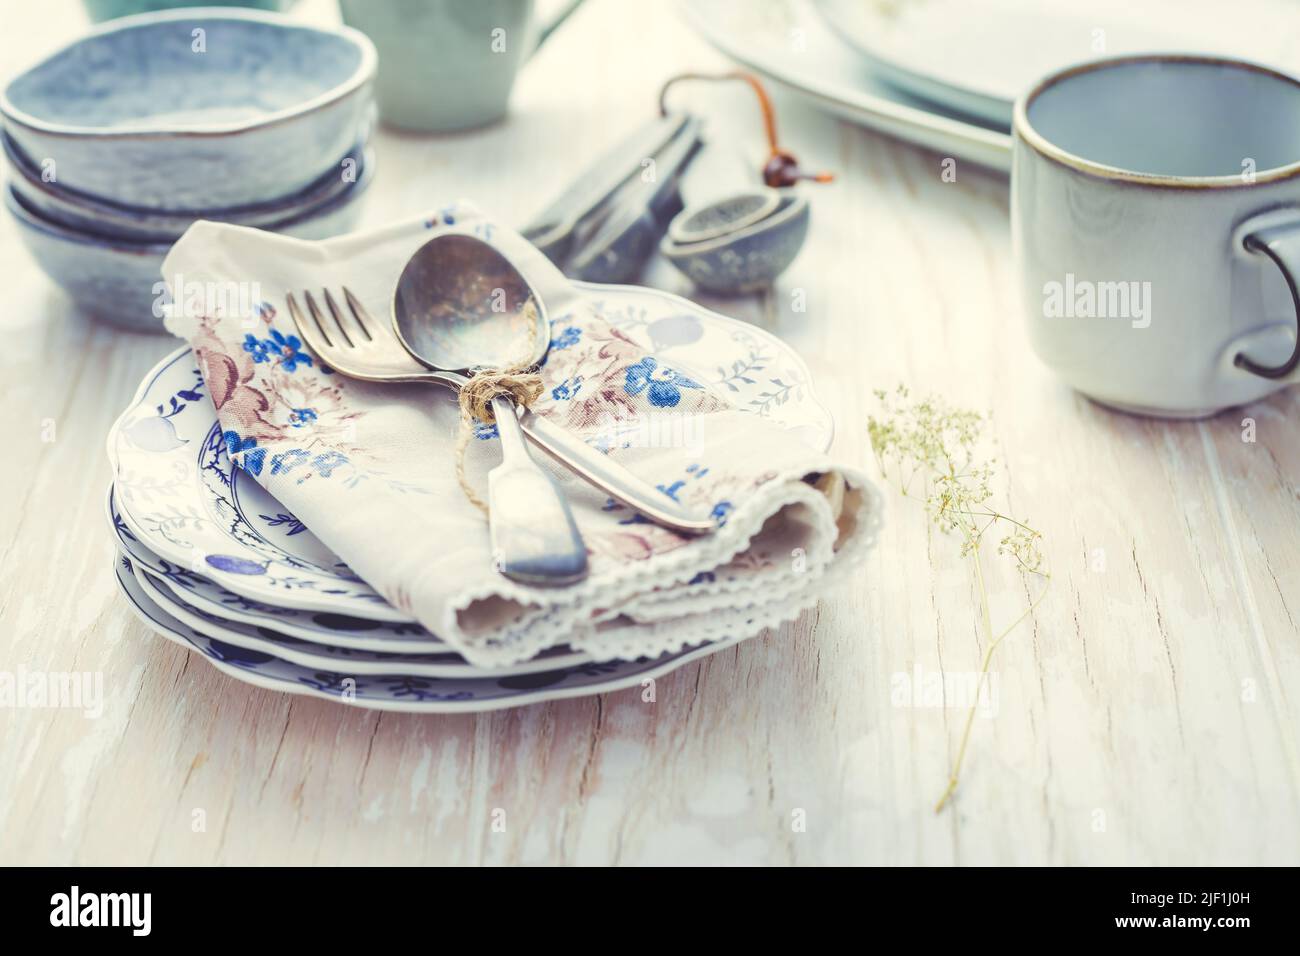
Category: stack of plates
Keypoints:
(209, 559)
(945, 73)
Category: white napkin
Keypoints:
(370, 470)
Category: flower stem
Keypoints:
(984, 670)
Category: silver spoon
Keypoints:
(461, 307)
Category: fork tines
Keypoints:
(361, 320)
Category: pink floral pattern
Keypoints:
(271, 396)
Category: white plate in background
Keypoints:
(977, 56)
(786, 42)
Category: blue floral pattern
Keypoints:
(283, 519)
(287, 350)
(567, 389)
(662, 385)
(258, 348)
(694, 472)
(568, 337)
(290, 349)
(672, 489)
(720, 512)
(244, 452)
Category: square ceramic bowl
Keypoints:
(119, 280)
(196, 108)
(55, 202)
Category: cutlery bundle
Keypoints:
(305, 530)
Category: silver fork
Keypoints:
(380, 357)
(534, 537)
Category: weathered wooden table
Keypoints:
(1148, 714)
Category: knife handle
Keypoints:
(611, 477)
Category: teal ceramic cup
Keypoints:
(112, 9)
(448, 64)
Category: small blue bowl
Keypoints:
(748, 259)
(120, 281)
(196, 108)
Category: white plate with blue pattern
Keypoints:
(430, 695)
(306, 637)
(322, 627)
(179, 493)
(327, 657)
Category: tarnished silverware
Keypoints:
(535, 540)
(385, 360)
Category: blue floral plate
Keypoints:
(324, 656)
(396, 692)
(179, 493)
(321, 627)
(304, 637)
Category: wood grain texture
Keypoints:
(1149, 714)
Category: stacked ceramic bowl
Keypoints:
(119, 141)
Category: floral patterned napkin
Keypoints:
(369, 468)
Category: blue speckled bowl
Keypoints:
(749, 258)
(60, 205)
(116, 280)
(133, 113)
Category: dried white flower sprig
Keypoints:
(928, 443)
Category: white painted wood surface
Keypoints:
(1150, 714)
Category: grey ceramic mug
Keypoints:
(1156, 226)
(448, 64)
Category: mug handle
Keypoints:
(1281, 244)
(553, 24)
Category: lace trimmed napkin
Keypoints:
(370, 468)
